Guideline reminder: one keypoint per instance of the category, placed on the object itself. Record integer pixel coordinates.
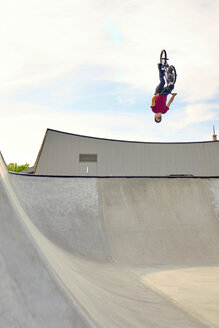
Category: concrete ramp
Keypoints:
(89, 252)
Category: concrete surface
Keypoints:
(77, 252)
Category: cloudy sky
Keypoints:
(90, 67)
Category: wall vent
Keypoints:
(87, 157)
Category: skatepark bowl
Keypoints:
(108, 252)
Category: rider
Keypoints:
(159, 99)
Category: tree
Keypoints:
(17, 168)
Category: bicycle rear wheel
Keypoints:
(171, 75)
(163, 57)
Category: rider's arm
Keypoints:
(171, 100)
(153, 99)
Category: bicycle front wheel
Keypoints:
(171, 75)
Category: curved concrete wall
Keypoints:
(101, 252)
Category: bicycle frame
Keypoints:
(169, 76)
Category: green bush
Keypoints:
(17, 168)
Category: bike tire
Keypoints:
(163, 57)
(171, 75)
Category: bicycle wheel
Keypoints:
(171, 75)
(163, 57)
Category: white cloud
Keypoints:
(23, 126)
(44, 40)
(193, 114)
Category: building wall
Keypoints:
(59, 155)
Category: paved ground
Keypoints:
(88, 252)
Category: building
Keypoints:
(65, 154)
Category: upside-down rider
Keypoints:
(159, 99)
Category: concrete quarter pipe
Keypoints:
(108, 252)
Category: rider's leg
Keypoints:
(160, 87)
(168, 89)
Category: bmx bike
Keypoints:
(170, 71)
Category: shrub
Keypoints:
(17, 168)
